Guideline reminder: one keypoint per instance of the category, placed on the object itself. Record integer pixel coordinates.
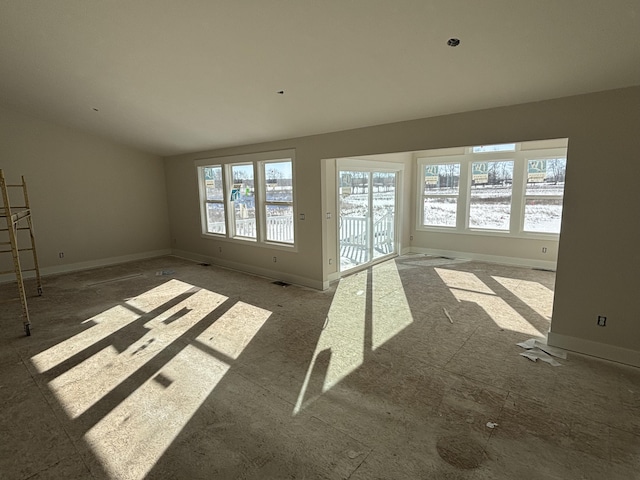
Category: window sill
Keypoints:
(491, 233)
(251, 242)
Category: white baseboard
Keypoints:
(516, 261)
(252, 269)
(595, 349)
(74, 267)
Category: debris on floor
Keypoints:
(492, 424)
(535, 343)
(353, 454)
(538, 350)
(164, 273)
(204, 264)
(447, 314)
(535, 354)
(281, 283)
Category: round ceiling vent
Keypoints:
(453, 42)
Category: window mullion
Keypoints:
(464, 193)
(516, 224)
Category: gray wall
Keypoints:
(598, 256)
(96, 201)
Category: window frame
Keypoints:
(266, 203)
(258, 162)
(466, 157)
(526, 196)
(424, 195)
(204, 201)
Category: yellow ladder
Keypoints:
(15, 219)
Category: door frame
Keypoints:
(370, 166)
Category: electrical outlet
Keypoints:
(61, 255)
(411, 238)
(275, 259)
(544, 249)
(602, 321)
(330, 261)
(328, 215)
(301, 216)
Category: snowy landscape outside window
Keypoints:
(513, 189)
(440, 194)
(214, 199)
(544, 194)
(278, 203)
(244, 201)
(249, 198)
(490, 200)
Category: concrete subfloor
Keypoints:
(165, 369)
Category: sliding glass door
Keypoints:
(367, 224)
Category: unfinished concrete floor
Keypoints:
(168, 369)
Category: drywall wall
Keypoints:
(93, 200)
(598, 257)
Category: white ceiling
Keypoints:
(173, 76)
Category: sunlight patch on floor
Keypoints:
(158, 296)
(232, 332)
(467, 287)
(104, 324)
(82, 386)
(132, 437)
(391, 311)
(534, 294)
(463, 281)
(343, 338)
(109, 366)
(500, 311)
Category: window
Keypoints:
(440, 194)
(543, 194)
(490, 199)
(214, 199)
(249, 198)
(278, 203)
(244, 201)
(507, 189)
(503, 147)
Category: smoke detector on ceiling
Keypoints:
(453, 42)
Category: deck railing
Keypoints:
(279, 229)
(354, 232)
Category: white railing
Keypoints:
(279, 229)
(354, 232)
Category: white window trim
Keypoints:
(518, 193)
(257, 160)
(204, 201)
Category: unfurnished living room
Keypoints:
(341, 239)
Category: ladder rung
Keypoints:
(19, 228)
(26, 249)
(15, 185)
(7, 271)
(5, 243)
(27, 269)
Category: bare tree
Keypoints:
(558, 167)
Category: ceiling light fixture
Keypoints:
(453, 42)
